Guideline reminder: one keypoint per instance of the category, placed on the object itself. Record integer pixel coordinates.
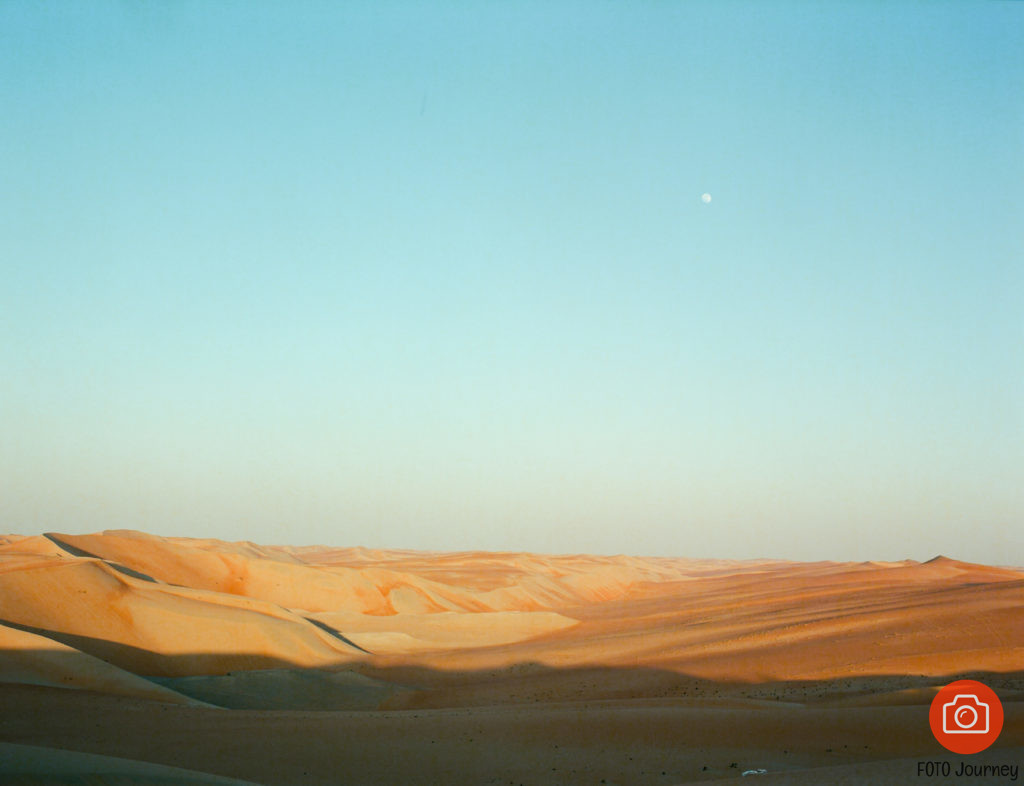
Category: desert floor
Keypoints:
(129, 658)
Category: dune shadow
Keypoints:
(543, 724)
(335, 633)
(209, 675)
(531, 683)
(77, 552)
(146, 663)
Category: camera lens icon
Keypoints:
(966, 714)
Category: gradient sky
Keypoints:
(439, 275)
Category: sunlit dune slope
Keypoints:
(373, 582)
(175, 606)
(795, 621)
(242, 571)
(156, 629)
(446, 631)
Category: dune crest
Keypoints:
(179, 606)
(551, 668)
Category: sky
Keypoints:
(439, 275)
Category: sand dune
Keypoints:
(236, 572)
(644, 670)
(30, 764)
(793, 622)
(444, 631)
(288, 689)
(155, 629)
(36, 660)
(630, 743)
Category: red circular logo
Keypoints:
(966, 716)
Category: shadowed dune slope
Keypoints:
(36, 660)
(630, 743)
(31, 764)
(288, 689)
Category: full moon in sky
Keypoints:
(705, 198)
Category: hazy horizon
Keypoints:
(439, 276)
(397, 550)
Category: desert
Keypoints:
(512, 393)
(126, 657)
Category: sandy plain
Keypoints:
(131, 658)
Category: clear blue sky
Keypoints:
(439, 275)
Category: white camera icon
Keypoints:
(966, 714)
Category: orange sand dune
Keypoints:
(235, 572)
(645, 670)
(791, 622)
(150, 628)
(445, 631)
(748, 621)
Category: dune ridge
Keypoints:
(179, 607)
(129, 621)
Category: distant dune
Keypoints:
(109, 639)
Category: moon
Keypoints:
(705, 198)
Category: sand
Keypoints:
(29, 764)
(282, 664)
